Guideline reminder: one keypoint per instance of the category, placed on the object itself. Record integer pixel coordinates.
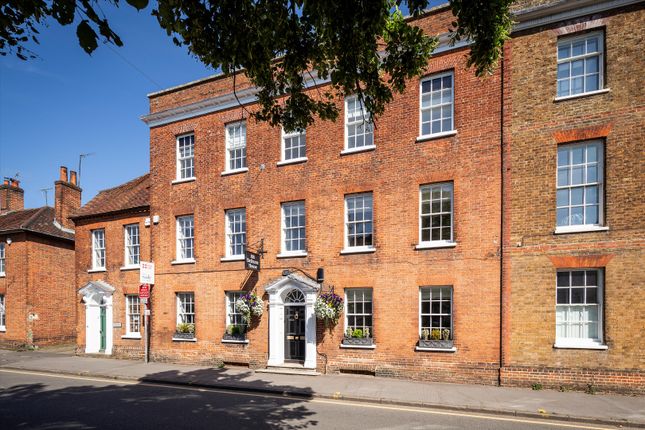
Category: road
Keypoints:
(30, 400)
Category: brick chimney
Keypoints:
(12, 197)
(67, 199)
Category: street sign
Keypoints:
(147, 272)
(251, 261)
(144, 291)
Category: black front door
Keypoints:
(294, 329)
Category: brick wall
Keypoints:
(14, 288)
(537, 125)
(125, 281)
(39, 290)
(393, 172)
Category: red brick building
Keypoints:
(404, 217)
(574, 226)
(37, 291)
(113, 237)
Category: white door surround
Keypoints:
(278, 291)
(97, 294)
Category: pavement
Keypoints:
(611, 409)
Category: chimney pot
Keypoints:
(63, 174)
(15, 183)
(72, 177)
(6, 182)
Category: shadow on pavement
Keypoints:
(84, 403)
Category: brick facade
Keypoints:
(393, 172)
(535, 127)
(38, 282)
(124, 280)
(501, 160)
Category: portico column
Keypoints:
(310, 331)
(276, 331)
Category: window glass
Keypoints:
(579, 68)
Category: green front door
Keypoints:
(103, 330)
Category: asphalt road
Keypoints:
(31, 400)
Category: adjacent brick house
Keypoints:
(112, 238)
(574, 225)
(37, 266)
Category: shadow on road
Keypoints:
(82, 404)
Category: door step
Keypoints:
(289, 369)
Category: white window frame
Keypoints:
(229, 147)
(583, 343)
(601, 66)
(441, 242)
(3, 313)
(129, 315)
(599, 183)
(302, 135)
(97, 250)
(359, 248)
(443, 132)
(229, 233)
(283, 230)
(179, 254)
(231, 312)
(361, 314)
(3, 258)
(364, 119)
(181, 310)
(130, 247)
(179, 173)
(440, 314)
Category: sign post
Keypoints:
(147, 279)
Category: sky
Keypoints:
(66, 102)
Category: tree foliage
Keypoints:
(361, 47)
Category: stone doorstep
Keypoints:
(289, 369)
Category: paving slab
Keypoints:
(601, 408)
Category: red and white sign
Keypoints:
(147, 272)
(144, 291)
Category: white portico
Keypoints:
(291, 316)
(97, 296)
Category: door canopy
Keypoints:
(95, 291)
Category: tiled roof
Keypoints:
(39, 220)
(131, 195)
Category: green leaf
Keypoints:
(87, 37)
(139, 4)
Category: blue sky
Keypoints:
(66, 103)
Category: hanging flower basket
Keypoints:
(249, 305)
(328, 307)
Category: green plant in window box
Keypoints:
(358, 337)
(185, 331)
(435, 338)
(235, 332)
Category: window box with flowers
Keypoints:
(435, 338)
(184, 331)
(235, 333)
(358, 337)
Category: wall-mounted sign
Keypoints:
(117, 325)
(147, 272)
(251, 261)
(144, 291)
